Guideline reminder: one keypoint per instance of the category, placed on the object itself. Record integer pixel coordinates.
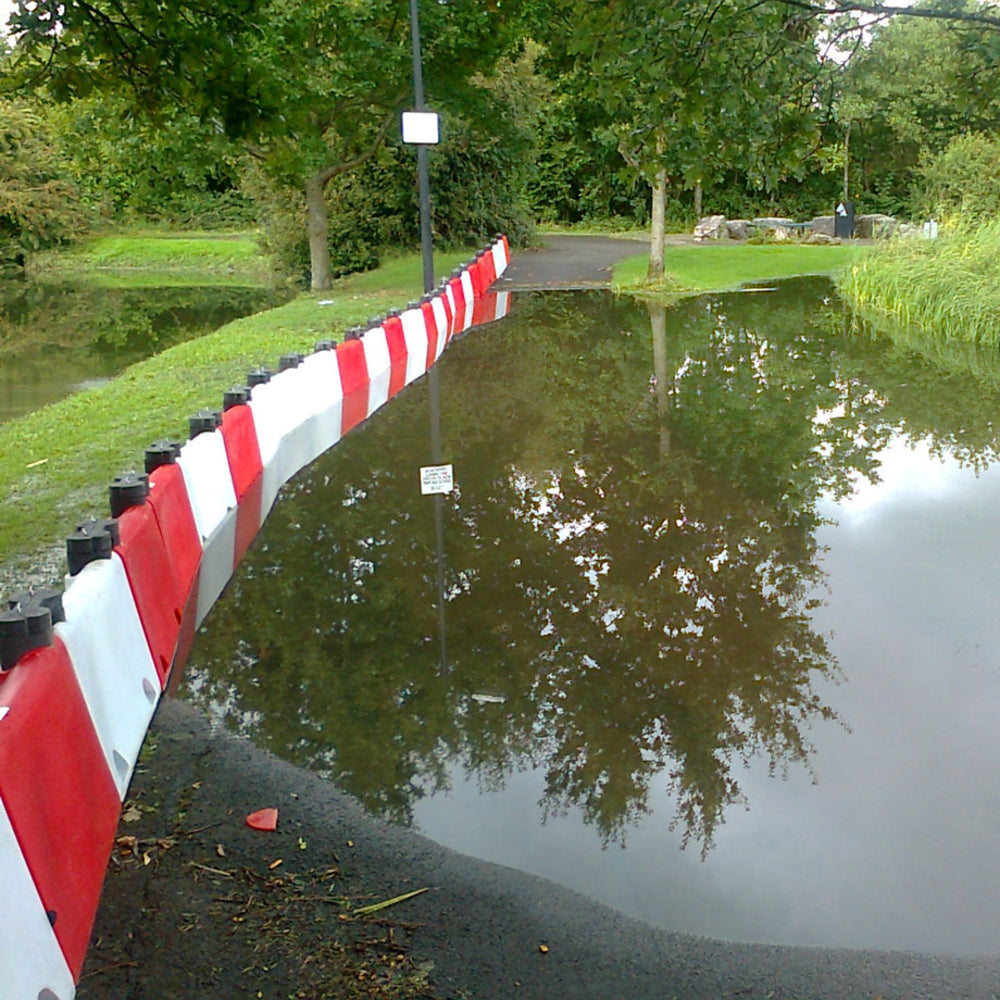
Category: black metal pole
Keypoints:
(426, 240)
(427, 249)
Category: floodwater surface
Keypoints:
(721, 643)
(62, 337)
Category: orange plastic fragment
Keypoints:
(263, 819)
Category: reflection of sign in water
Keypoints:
(436, 479)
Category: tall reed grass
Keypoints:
(948, 288)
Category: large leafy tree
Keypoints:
(911, 88)
(696, 86)
(313, 87)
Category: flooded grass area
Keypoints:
(58, 337)
(718, 642)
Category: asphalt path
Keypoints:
(481, 931)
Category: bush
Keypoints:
(38, 204)
(963, 178)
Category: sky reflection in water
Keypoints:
(707, 626)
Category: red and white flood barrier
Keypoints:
(82, 671)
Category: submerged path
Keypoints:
(567, 262)
(196, 905)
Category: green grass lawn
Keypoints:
(56, 463)
(205, 253)
(720, 267)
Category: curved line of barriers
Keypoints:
(83, 670)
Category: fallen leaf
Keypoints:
(132, 813)
(275, 864)
(220, 850)
(543, 948)
(263, 819)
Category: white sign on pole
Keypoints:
(436, 479)
(420, 128)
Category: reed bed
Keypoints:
(948, 288)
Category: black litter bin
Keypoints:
(843, 225)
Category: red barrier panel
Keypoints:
(448, 305)
(169, 499)
(433, 338)
(354, 379)
(58, 793)
(457, 288)
(159, 598)
(488, 268)
(243, 452)
(393, 327)
(475, 272)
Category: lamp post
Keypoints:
(420, 127)
(427, 135)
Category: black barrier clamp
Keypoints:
(353, 334)
(325, 345)
(238, 395)
(27, 623)
(23, 629)
(287, 361)
(93, 539)
(204, 421)
(51, 599)
(259, 376)
(161, 453)
(127, 491)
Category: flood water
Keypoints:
(721, 641)
(61, 337)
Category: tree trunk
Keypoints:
(657, 230)
(847, 161)
(316, 223)
(658, 323)
(697, 201)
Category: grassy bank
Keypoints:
(721, 267)
(154, 258)
(56, 463)
(948, 288)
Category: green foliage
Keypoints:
(948, 288)
(963, 179)
(914, 87)
(170, 167)
(38, 205)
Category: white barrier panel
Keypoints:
(320, 376)
(291, 394)
(470, 303)
(107, 646)
(267, 404)
(415, 335)
(379, 366)
(503, 304)
(499, 258)
(32, 965)
(441, 321)
(205, 467)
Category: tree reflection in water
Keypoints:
(631, 561)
